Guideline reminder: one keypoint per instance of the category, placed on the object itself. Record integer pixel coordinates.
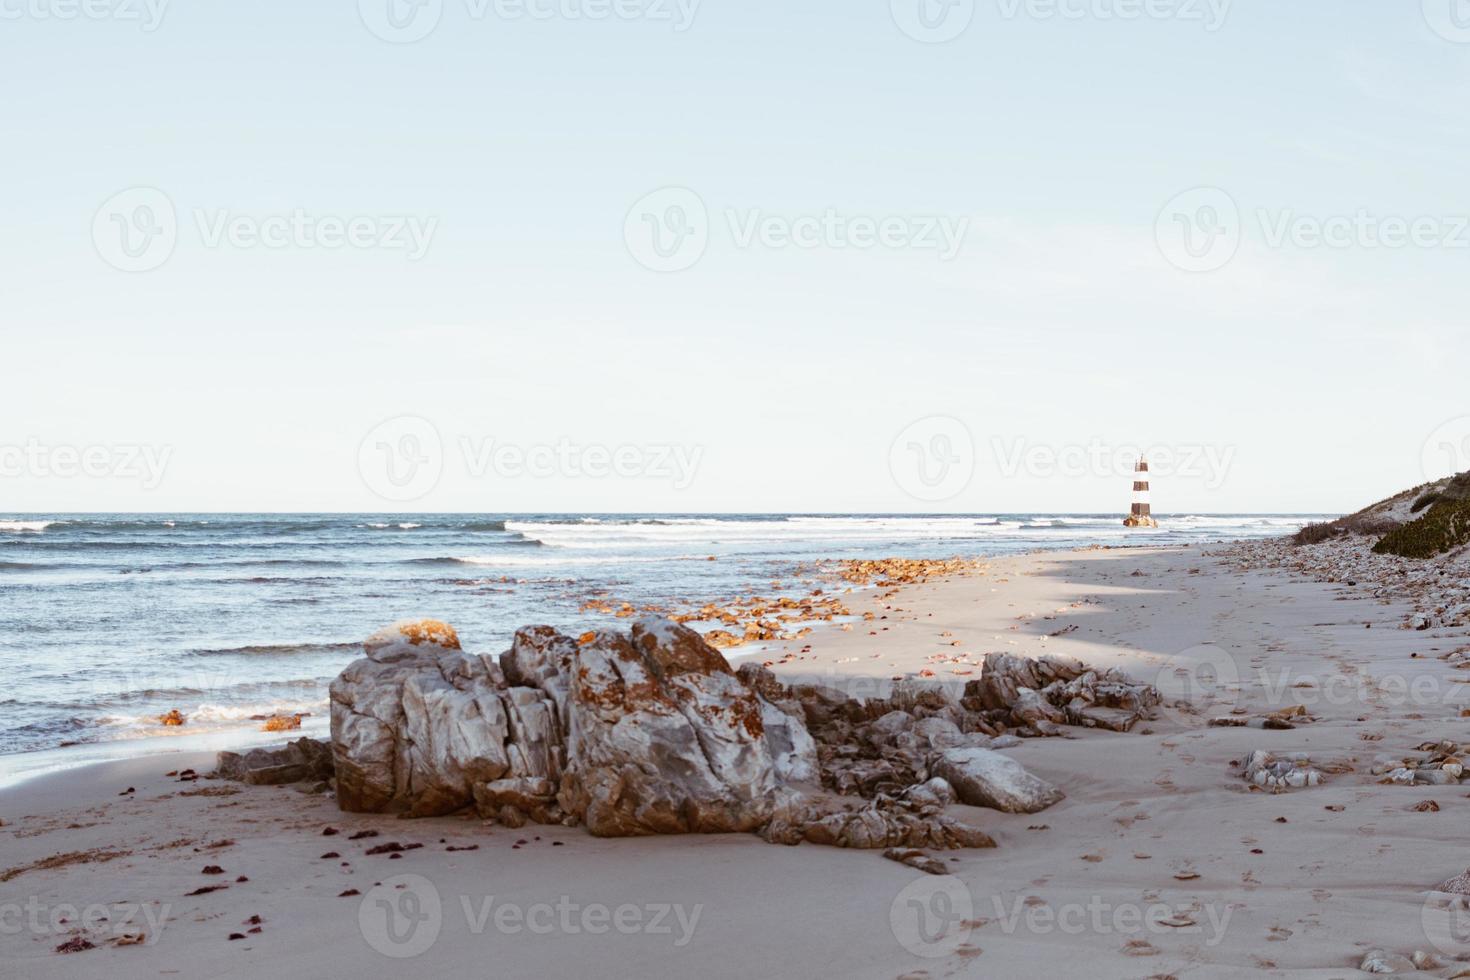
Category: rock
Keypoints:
(306, 759)
(1458, 885)
(1434, 777)
(895, 722)
(936, 792)
(666, 739)
(1038, 696)
(1381, 961)
(982, 777)
(281, 723)
(651, 732)
(916, 859)
(173, 718)
(418, 724)
(1277, 774)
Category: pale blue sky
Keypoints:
(1322, 372)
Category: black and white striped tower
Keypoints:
(1140, 515)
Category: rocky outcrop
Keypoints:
(651, 732)
(305, 759)
(1041, 695)
(982, 777)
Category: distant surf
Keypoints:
(230, 616)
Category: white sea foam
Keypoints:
(217, 714)
(25, 527)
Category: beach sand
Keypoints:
(1161, 861)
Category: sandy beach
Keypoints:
(1161, 861)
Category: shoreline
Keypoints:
(16, 767)
(1305, 882)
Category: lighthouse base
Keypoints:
(1139, 520)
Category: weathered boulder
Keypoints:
(982, 777)
(418, 724)
(665, 739)
(305, 759)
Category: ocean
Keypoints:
(109, 621)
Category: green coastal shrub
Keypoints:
(1444, 527)
(1424, 501)
(1313, 533)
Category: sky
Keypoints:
(674, 256)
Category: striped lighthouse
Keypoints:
(1140, 515)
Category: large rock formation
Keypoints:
(651, 732)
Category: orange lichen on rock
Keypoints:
(174, 717)
(281, 723)
(433, 631)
